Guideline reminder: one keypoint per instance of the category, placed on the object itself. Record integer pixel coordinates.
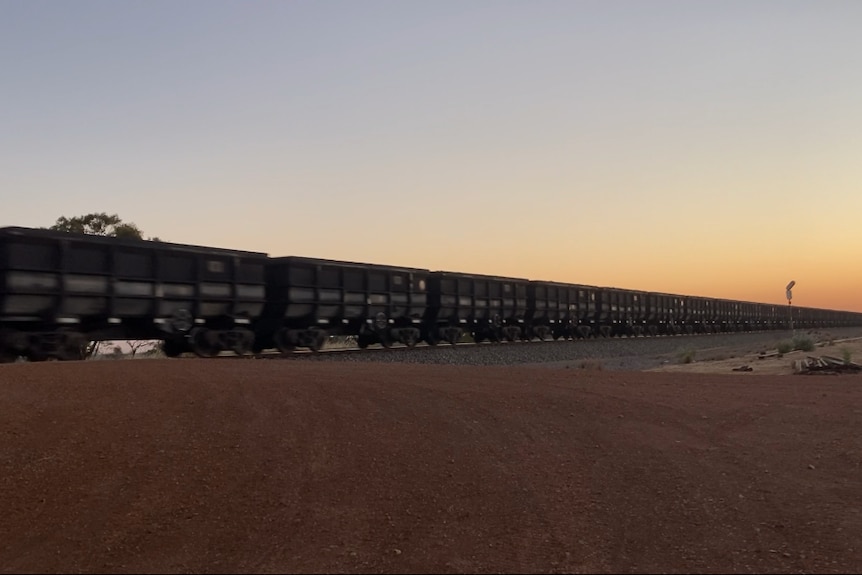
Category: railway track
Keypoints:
(614, 353)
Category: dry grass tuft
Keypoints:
(590, 364)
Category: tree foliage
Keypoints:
(100, 224)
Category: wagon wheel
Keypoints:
(408, 337)
(71, 346)
(205, 342)
(283, 341)
(432, 337)
(386, 340)
(318, 338)
(242, 342)
(240, 348)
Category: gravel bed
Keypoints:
(613, 354)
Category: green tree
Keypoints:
(100, 224)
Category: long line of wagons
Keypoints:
(60, 290)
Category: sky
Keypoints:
(709, 148)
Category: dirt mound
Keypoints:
(280, 466)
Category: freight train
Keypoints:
(60, 290)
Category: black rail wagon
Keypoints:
(723, 313)
(803, 317)
(767, 316)
(310, 299)
(756, 320)
(621, 312)
(765, 313)
(560, 310)
(847, 318)
(743, 315)
(774, 316)
(59, 290)
(752, 316)
(487, 307)
(697, 315)
(710, 316)
(665, 313)
(794, 318)
(747, 316)
(820, 317)
(828, 318)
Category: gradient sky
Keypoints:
(702, 147)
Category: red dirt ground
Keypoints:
(175, 466)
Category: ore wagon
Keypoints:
(60, 290)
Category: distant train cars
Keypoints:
(311, 299)
(488, 308)
(60, 290)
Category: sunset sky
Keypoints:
(702, 147)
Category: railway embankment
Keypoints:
(641, 353)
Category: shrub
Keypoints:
(803, 343)
(846, 355)
(686, 356)
(784, 346)
(591, 364)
